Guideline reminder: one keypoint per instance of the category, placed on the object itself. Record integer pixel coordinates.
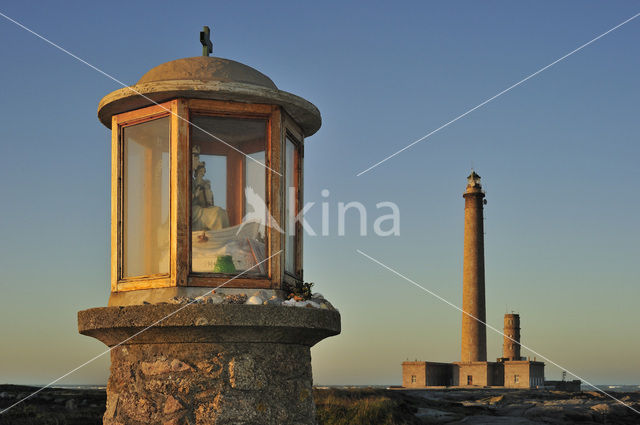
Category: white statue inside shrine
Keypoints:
(204, 214)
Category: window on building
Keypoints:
(469, 380)
(291, 166)
(228, 195)
(146, 175)
(413, 379)
(516, 379)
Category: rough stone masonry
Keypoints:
(210, 363)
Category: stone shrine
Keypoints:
(209, 319)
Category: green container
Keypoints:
(224, 264)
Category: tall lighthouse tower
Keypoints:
(473, 369)
(474, 332)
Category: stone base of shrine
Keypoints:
(209, 363)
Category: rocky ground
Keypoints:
(359, 406)
(524, 407)
(52, 406)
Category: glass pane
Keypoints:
(291, 201)
(228, 208)
(146, 177)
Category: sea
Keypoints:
(613, 388)
(623, 388)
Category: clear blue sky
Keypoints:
(558, 156)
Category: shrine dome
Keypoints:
(204, 77)
(206, 68)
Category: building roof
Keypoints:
(204, 68)
(204, 77)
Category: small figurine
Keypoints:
(203, 237)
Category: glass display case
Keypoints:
(204, 191)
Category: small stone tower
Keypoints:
(474, 332)
(511, 345)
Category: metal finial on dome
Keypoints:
(205, 40)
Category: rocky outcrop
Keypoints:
(500, 406)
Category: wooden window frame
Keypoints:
(180, 200)
(272, 115)
(293, 132)
(118, 124)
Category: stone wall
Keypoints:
(479, 371)
(173, 384)
(529, 374)
(427, 374)
(209, 364)
(416, 370)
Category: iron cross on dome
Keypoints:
(207, 46)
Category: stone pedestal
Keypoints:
(209, 363)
